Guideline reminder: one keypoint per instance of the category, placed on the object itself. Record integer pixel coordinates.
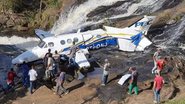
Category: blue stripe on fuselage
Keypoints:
(97, 45)
(103, 43)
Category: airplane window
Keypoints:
(41, 44)
(75, 39)
(69, 40)
(50, 44)
(62, 42)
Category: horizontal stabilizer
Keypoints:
(143, 44)
(129, 45)
(126, 45)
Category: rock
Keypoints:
(10, 23)
(170, 22)
(114, 102)
(20, 21)
(3, 19)
(21, 28)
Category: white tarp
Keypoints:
(124, 78)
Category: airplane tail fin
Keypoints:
(143, 24)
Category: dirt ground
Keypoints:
(79, 93)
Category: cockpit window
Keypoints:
(41, 44)
(50, 44)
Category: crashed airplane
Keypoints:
(130, 39)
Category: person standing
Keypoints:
(155, 58)
(25, 77)
(10, 78)
(72, 53)
(105, 72)
(133, 81)
(56, 57)
(33, 77)
(46, 57)
(59, 83)
(158, 83)
(49, 69)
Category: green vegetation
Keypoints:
(37, 13)
(182, 101)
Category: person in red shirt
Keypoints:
(10, 77)
(158, 83)
(161, 63)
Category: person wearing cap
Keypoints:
(106, 68)
(155, 58)
(133, 81)
(158, 83)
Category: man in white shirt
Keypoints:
(33, 77)
(105, 72)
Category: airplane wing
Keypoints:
(42, 34)
(80, 58)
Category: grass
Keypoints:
(181, 101)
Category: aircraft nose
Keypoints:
(27, 56)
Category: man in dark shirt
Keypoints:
(59, 83)
(133, 81)
(46, 57)
(25, 77)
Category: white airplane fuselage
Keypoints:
(94, 39)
